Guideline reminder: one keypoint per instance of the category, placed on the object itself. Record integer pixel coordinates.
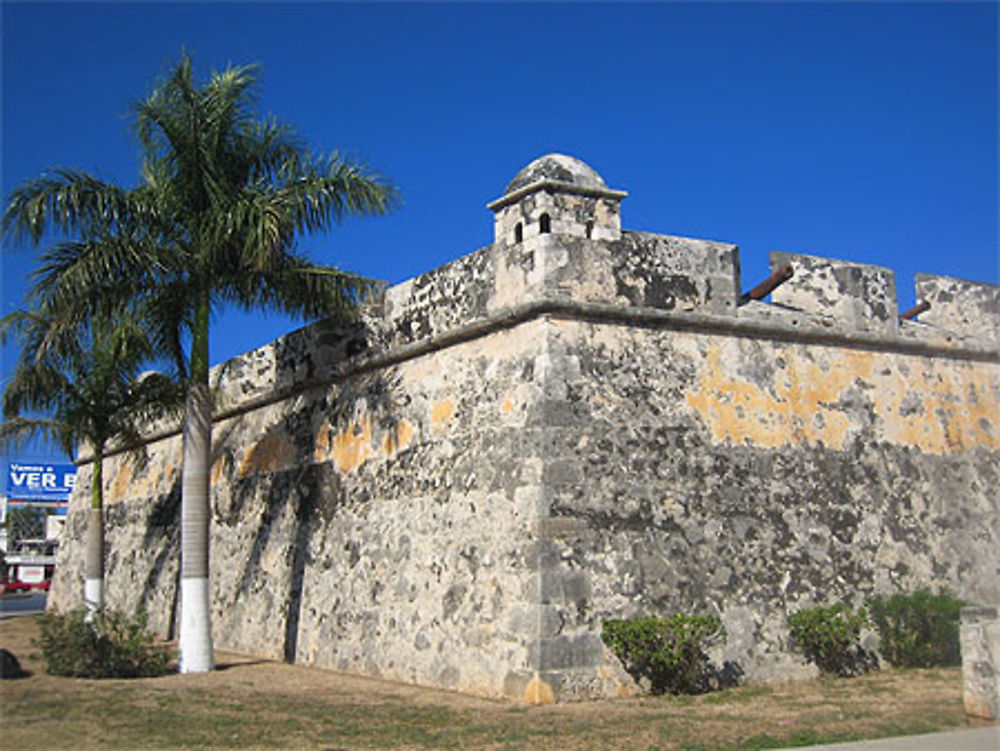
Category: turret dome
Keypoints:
(557, 168)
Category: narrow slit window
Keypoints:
(590, 229)
(518, 232)
(544, 224)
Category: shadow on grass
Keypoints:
(223, 666)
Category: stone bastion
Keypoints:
(576, 423)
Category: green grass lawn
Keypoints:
(253, 704)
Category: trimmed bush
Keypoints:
(918, 629)
(110, 645)
(669, 652)
(830, 637)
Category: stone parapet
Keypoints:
(642, 277)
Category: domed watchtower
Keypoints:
(560, 195)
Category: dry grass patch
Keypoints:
(253, 704)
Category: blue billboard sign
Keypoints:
(40, 481)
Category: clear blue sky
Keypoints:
(861, 131)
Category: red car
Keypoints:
(11, 586)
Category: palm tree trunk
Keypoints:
(93, 567)
(195, 647)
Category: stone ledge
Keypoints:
(562, 187)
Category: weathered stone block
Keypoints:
(853, 295)
(565, 586)
(569, 652)
(676, 273)
(980, 640)
(963, 307)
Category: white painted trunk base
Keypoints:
(195, 647)
(93, 596)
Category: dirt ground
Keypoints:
(248, 703)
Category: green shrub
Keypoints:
(110, 645)
(918, 629)
(669, 652)
(830, 637)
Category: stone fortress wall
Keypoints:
(577, 423)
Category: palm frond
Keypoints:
(17, 432)
(65, 200)
(79, 385)
(298, 287)
(166, 314)
(35, 386)
(92, 276)
(325, 192)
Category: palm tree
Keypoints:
(80, 388)
(224, 195)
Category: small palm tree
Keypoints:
(80, 389)
(214, 222)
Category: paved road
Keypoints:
(981, 739)
(22, 604)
